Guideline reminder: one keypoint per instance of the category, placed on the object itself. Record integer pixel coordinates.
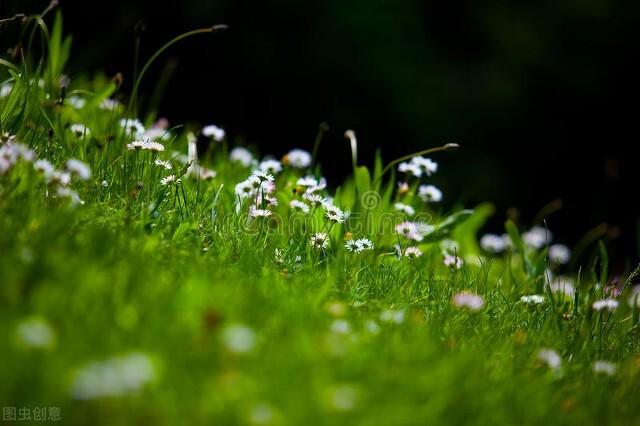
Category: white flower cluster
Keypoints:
(12, 152)
(359, 245)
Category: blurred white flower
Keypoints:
(238, 339)
(429, 193)
(551, 358)
(409, 230)
(241, 155)
(340, 326)
(116, 376)
(109, 104)
(214, 132)
(44, 167)
(452, 261)
(427, 165)
(412, 252)
(5, 90)
(69, 193)
(76, 102)
(606, 304)
(537, 237)
(563, 286)
(132, 126)
(492, 243)
(604, 367)
(270, 166)
(410, 169)
(559, 253)
(533, 299)
(468, 300)
(80, 168)
(299, 206)
(392, 316)
(35, 333)
(80, 129)
(298, 159)
(343, 398)
(404, 208)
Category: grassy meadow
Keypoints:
(154, 272)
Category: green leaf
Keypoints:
(363, 179)
(466, 234)
(444, 228)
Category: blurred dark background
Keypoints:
(541, 95)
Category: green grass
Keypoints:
(229, 334)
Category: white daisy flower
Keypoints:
(533, 299)
(410, 169)
(606, 305)
(319, 240)
(80, 168)
(452, 261)
(262, 176)
(537, 237)
(244, 189)
(468, 300)
(164, 164)
(364, 244)
(492, 243)
(559, 253)
(299, 206)
(118, 376)
(604, 367)
(214, 132)
(315, 199)
(298, 159)
(405, 208)
(241, 155)
(270, 166)
(254, 212)
(334, 217)
(429, 193)
(427, 165)
(551, 358)
(352, 246)
(169, 180)
(153, 146)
